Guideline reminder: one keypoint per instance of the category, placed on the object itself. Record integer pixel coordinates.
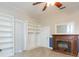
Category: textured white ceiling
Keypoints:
(27, 8)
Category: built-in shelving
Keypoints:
(33, 32)
(6, 36)
(35, 28)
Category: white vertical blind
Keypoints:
(6, 35)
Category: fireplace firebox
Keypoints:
(66, 44)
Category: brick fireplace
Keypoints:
(66, 44)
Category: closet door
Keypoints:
(6, 36)
(19, 36)
(43, 37)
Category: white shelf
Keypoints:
(30, 32)
(6, 41)
(35, 30)
(5, 23)
(5, 26)
(6, 37)
(5, 46)
(32, 29)
(5, 19)
(34, 26)
(5, 31)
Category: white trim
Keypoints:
(25, 33)
(13, 34)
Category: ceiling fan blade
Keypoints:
(37, 3)
(45, 7)
(63, 7)
(59, 5)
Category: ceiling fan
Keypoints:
(57, 4)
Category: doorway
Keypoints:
(20, 41)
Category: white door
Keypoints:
(19, 36)
(43, 38)
(32, 41)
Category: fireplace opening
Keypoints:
(64, 46)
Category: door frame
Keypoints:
(25, 33)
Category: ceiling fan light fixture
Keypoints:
(50, 2)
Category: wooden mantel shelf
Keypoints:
(67, 34)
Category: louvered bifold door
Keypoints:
(6, 36)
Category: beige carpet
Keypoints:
(41, 52)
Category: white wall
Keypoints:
(63, 17)
(17, 14)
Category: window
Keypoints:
(64, 28)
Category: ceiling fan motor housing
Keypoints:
(58, 4)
